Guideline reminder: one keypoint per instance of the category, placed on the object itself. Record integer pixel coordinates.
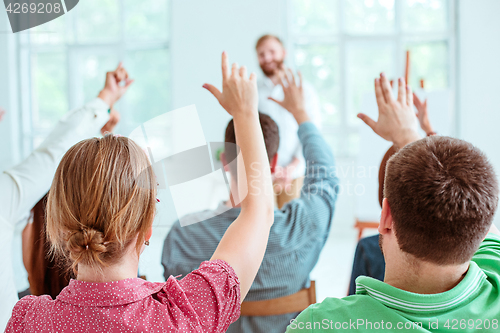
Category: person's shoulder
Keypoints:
(487, 257)
(347, 305)
(332, 309)
(27, 304)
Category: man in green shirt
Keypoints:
(441, 249)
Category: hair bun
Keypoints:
(86, 240)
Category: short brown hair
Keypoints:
(102, 197)
(269, 130)
(442, 193)
(266, 37)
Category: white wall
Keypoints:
(201, 30)
(479, 76)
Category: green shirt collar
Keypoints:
(405, 301)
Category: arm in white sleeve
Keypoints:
(25, 184)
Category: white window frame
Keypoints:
(398, 37)
(75, 96)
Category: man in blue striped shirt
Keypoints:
(299, 232)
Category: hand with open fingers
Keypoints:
(239, 91)
(114, 118)
(117, 83)
(293, 92)
(422, 115)
(396, 118)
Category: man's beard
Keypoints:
(272, 72)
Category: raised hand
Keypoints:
(294, 95)
(113, 89)
(396, 119)
(239, 92)
(114, 118)
(422, 115)
(244, 243)
(2, 113)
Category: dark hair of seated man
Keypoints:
(271, 139)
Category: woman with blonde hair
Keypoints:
(100, 213)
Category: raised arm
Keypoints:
(245, 241)
(22, 186)
(317, 200)
(396, 119)
(423, 115)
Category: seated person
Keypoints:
(368, 258)
(100, 213)
(299, 231)
(442, 251)
(24, 185)
(46, 275)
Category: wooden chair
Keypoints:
(362, 225)
(277, 306)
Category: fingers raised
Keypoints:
(299, 73)
(369, 121)
(243, 72)
(386, 88)
(292, 77)
(409, 96)
(280, 76)
(225, 66)
(234, 69)
(416, 101)
(379, 93)
(216, 92)
(401, 91)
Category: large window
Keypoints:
(63, 62)
(342, 45)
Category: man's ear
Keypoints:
(224, 162)
(274, 163)
(386, 219)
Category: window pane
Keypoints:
(93, 71)
(425, 15)
(98, 21)
(315, 17)
(319, 65)
(146, 19)
(369, 16)
(429, 62)
(49, 82)
(53, 32)
(149, 95)
(343, 144)
(365, 62)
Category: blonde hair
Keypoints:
(102, 197)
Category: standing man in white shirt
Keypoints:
(25, 184)
(291, 166)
